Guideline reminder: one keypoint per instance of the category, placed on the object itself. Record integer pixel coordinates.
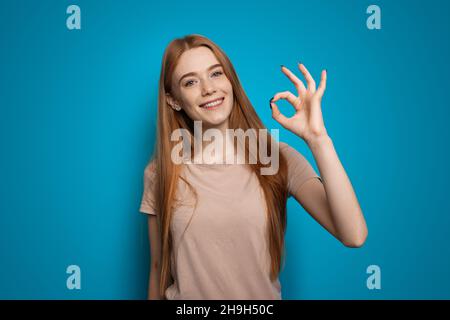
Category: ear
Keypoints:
(172, 102)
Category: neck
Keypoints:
(214, 146)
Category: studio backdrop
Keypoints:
(78, 98)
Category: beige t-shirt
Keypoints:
(220, 251)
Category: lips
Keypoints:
(212, 103)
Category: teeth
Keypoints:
(212, 104)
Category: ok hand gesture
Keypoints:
(307, 122)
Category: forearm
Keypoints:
(346, 212)
(153, 284)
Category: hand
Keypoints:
(307, 122)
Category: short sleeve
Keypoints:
(148, 195)
(299, 169)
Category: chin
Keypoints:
(215, 117)
(213, 123)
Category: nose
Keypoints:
(208, 88)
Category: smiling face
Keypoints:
(201, 88)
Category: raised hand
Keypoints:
(307, 122)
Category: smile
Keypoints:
(213, 104)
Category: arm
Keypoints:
(333, 204)
(155, 266)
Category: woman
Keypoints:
(216, 231)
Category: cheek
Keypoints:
(188, 97)
(226, 86)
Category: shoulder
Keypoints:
(150, 170)
(283, 145)
(298, 167)
(288, 151)
(294, 158)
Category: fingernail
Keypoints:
(299, 63)
(270, 103)
(281, 65)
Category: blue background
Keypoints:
(78, 110)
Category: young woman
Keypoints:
(216, 231)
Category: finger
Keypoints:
(291, 98)
(309, 79)
(277, 115)
(322, 84)
(296, 81)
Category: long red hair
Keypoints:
(242, 116)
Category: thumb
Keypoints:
(277, 115)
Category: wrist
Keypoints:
(318, 142)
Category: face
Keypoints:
(198, 80)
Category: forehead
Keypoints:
(195, 60)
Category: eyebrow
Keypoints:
(194, 73)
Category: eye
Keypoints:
(215, 74)
(218, 73)
(187, 83)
